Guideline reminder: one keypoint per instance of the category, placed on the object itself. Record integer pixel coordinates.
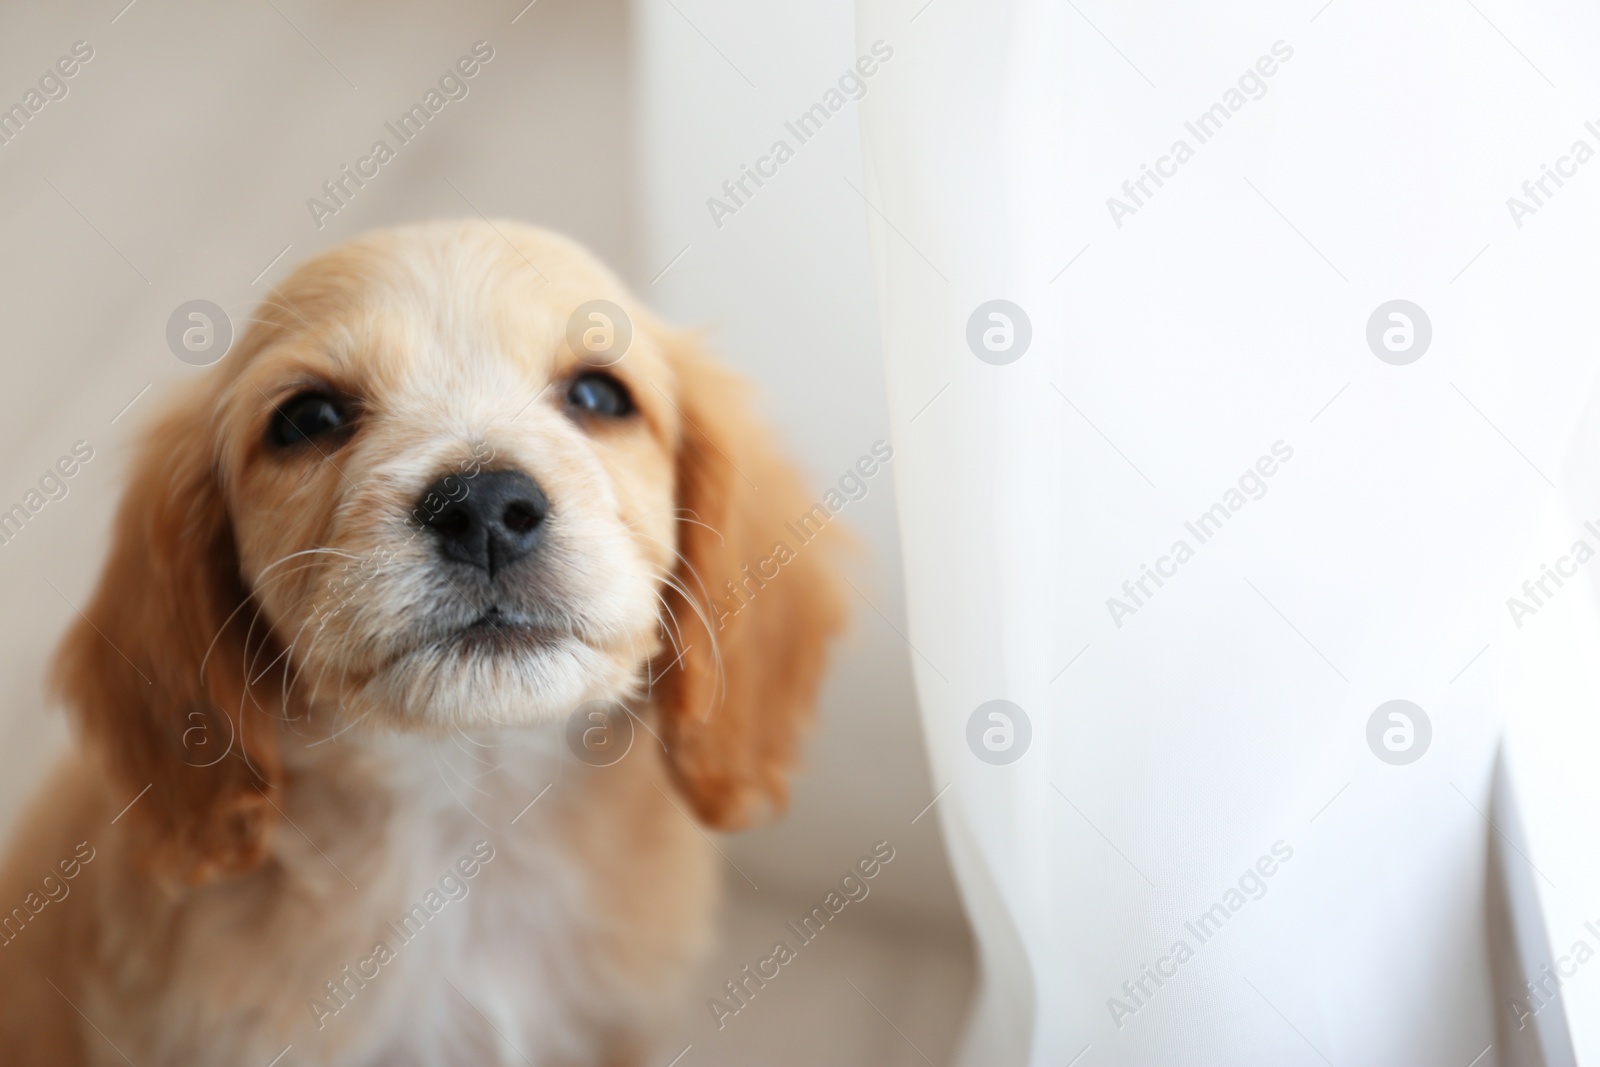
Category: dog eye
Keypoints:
(600, 394)
(305, 417)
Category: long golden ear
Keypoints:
(757, 557)
(155, 670)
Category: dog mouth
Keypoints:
(497, 631)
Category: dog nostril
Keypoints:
(452, 523)
(519, 517)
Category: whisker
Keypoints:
(677, 514)
(250, 630)
(455, 734)
(453, 796)
(470, 741)
(250, 599)
(695, 604)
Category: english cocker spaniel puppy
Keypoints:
(391, 587)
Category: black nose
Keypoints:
(489, 520)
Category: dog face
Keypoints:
(408, 501)
(447, 516)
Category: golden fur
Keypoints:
(310, 747)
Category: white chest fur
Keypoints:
(439, 901)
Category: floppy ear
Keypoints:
(758, 562)
(155, 669)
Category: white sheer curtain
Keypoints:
(1215, 362)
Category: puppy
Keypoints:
(427, 535)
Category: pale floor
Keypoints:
(862, 992)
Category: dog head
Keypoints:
(451, 477)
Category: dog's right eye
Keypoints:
(305, 418)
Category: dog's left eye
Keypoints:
(600, 394)
(305, 417)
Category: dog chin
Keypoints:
(490, 678)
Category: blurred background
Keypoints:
(178, 166)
